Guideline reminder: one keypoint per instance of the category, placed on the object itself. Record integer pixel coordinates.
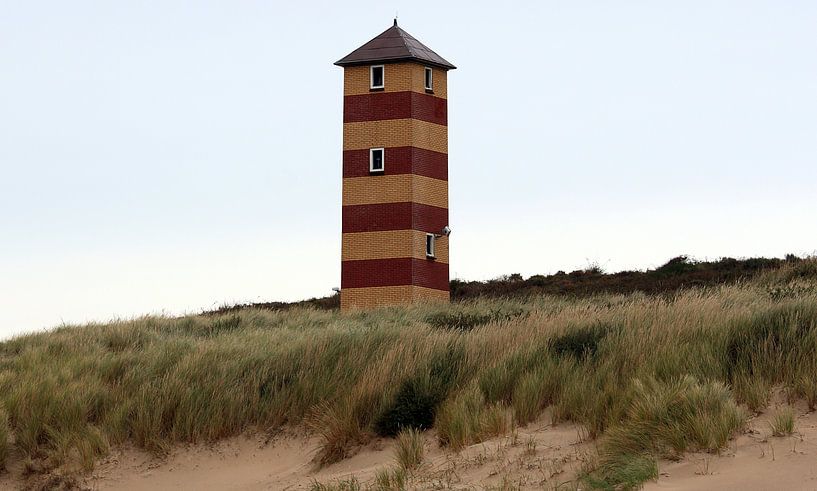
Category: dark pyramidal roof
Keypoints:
(394, 44)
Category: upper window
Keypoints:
(429, 79)
(376, 160)
(376, 76)
(430, 239)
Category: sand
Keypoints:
(753, 461)
(538, 456)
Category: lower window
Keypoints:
(430, 239)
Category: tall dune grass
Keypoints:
(619, 365)
(4, 437)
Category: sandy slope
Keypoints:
(249, 464)
(755, 460)
(535, 457)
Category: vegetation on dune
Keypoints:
(4, 437)
(650, 376)
(677, 274)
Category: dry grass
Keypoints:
(391, 480)
(409, 449)
(783, 422)
(4, 437)
(613, 363)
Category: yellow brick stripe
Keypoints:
(395, 133)
(391, 244)
(401, 188)
(398, 77)
(385, 296)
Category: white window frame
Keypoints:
(371, 77)
(428, 75)
(382, 159)
(431, 240)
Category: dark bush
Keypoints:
(580, 342)
(805, 270)
(677, 274)
(675, 266)
(416, 402)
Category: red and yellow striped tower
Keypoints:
(395, 173)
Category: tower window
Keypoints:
(376, 160)
(430, 239)
(376, 76)
(429, 79)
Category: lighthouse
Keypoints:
(395, 244)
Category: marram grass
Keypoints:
(649, 376)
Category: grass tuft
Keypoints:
(783, 422)
(391, 479)
(351, 484)
(409, 449)
(664, 420)
(755, 391)
(458, 421)
(623, 472)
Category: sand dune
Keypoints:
(248, 463)
(538, 456)
(754, 461)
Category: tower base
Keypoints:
(388, 296)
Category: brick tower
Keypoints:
(395, 173)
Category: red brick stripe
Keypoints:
(398, 160)
(377, 106)
(394, 216)
(394, 272)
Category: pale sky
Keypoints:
(170, 156)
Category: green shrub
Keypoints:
(416, 402)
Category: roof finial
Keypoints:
(395, 17)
